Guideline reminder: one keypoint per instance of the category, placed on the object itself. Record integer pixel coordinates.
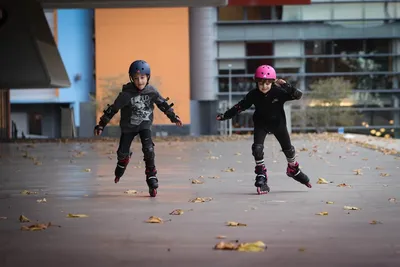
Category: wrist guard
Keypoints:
(107, 116)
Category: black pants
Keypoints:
(125, 142)
(281, 134)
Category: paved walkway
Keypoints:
(77, 178)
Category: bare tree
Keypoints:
(325, 105)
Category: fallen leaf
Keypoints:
(330, 202)
(71, 215)
(154, 219)
(384, 174)
(201, 199)
(357, 172)
(3, 218)
(214, 177)
(235, 224)
(375, 222)
(27, 192)
(350, 208)
(196, 181)
(238, 154)
(322, 181)
(38, 163)
(212, 157)
(44, 200)
(323, 213)
(252, 247)
(343, 185)
(365, 159)
(176, 212)
(87, 170)
(229, 170)
(23, 218)
(36, 227)
(221, 237)
(243, 247)
(379, 168)
(303, 149)
(302, 249)
(392, 200)
(130, 192)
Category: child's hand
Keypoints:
(220, 117)
(177, 121)
(280, 81)
(98, 130)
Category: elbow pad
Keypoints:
(297, 94)
(108, 115)
(165, 107)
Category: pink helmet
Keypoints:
(265, 72)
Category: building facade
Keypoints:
(356, 40)
(197, 54)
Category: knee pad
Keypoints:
(258, 151)
(148, 152)
(290, 154)
(123, 156)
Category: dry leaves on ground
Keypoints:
(350, 208)
(154, 219)
(323, 181)
(358, 172)
(258, 246)
(229, 170)
(130, 192)
(37, 227)
(176, 212)
(72, 215)
(343, 185)
(235, 224)
(200, 199)
(323, 213)
(23, 219)
(27, 192)
(197, 181)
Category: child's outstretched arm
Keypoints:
(121, 101)
(242, 105)
(167, 109)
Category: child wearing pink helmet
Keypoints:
(269, 116)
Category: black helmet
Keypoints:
(139, 66)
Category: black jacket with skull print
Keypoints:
(137, 107)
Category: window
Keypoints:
(259, 13)
(231, 13)
(319, 65)
(361, 82)
(258, 49)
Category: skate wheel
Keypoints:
(260, 192)
(116, 180)
(308, 185)
(153, 192)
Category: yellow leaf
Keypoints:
(350, 208)
(235, 224)
(357, 172)
(225, 246)
(36, 227)
(229, 170)
(343, 185)
(252, 247)
(322, 181)
(214, 177)
(154, 219)
(384, 174)
(378, 168)
(87, 170)
(221, 237)
(302, 249)
(195, 181)
(323, 213)
(330, 202)
(22, 218)
(71, 215)
(176, 212)
(130, 192)
(375, 222)
(238, 154)
(200, 199)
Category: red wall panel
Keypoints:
(267, 2)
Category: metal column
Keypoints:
(203, 70)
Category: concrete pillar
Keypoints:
(203, 70)
(396, 67)
(5, 120)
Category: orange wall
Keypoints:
(158, 35)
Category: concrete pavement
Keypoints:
(78, 178)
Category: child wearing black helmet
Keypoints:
(136, 102)
(269, 116)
